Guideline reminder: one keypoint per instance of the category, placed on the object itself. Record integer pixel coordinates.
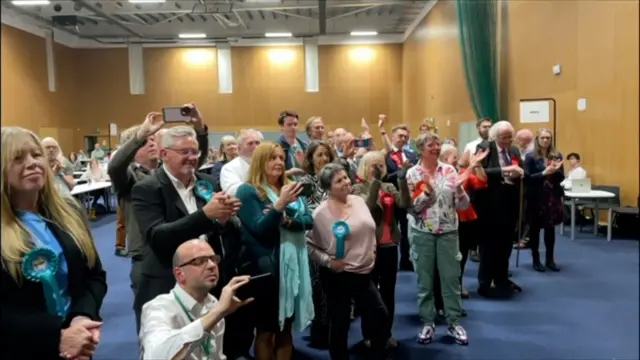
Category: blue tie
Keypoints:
(505, 157)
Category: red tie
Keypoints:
(396, 156)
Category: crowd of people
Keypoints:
(279, 237)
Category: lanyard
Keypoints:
(206, 343)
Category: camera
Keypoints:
(57, 7)
(186, 110)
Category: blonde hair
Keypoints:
(257, 172)
(16, 238)
(307, 125)
(365, 164)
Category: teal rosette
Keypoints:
(340, 231)
(41, 265)
(204, 189)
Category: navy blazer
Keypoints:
(534, 166)
(392, 167)
(285, 146)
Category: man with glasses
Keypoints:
(189, 322)
(177, 204)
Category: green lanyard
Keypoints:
(206, 343)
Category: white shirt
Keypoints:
(165, 328)
(578, 173)
(186, 193)
(529, 148)
(472, 146)
(507, 179)
(233, 174)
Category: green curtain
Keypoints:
(477, 24)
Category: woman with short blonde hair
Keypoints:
(53, 283)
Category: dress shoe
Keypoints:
(552, 266)
(537, 266)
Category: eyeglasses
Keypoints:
(186, 152)
(201, 260)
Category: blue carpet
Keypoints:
(587, 311)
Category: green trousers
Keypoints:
(427, 252)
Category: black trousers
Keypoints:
(340, 289)
(401, 219)
(495, 252)
(549, 242)
(384, 277)
(238, 328)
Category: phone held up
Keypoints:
(307, 189)
(362, 143)
(177, 114)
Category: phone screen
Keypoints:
(172, 114)
(362, 143)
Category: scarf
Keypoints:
(295, 279)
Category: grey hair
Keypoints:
(445, 149)
(327, 173)
(498, 127)
(171, 134)
(246, 132)
(423, 139)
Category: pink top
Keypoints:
(359, 245)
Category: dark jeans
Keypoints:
(384, 276)
(340, 288)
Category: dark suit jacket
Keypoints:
(165, 224)
(499, 202)
(285, 146)
(28, 331)
(392, 167)
(534, 166)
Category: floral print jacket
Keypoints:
(435, 213)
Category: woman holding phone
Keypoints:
(275, 220)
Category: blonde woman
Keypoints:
(382, 199)
(229, 151)
(274, 220)
(53, 283)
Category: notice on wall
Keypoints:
(582, 104)
(534, 112)
(113, 129)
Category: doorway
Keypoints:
(89, 143)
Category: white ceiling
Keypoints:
(113, 22)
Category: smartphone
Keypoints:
(307, 189)
(362, 143)
(174, 114)
(257, 277)
(257, 285)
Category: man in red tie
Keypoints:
(394, 159)
(498, 207)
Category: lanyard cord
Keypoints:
(206, 343)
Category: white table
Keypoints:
(592, 195)
(85, 188)
(205, 167)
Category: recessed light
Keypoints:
(282, 34)
(364, 33)
(192, 36)
(146, 1)
(30, 2)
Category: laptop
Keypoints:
(581, 186)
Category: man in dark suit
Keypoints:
(394, 159)
(498, 208)
(169, 212)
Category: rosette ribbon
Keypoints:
(41, 265)
(340, 231)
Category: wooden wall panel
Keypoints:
(433, 78)
(595, 42)
(266, 80)
(26, 99)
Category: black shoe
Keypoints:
(474, 256)
(537, 266)
(122, 252)
(551, 265)
(463, 312)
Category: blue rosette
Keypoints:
(340, 231)
(41, 265)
